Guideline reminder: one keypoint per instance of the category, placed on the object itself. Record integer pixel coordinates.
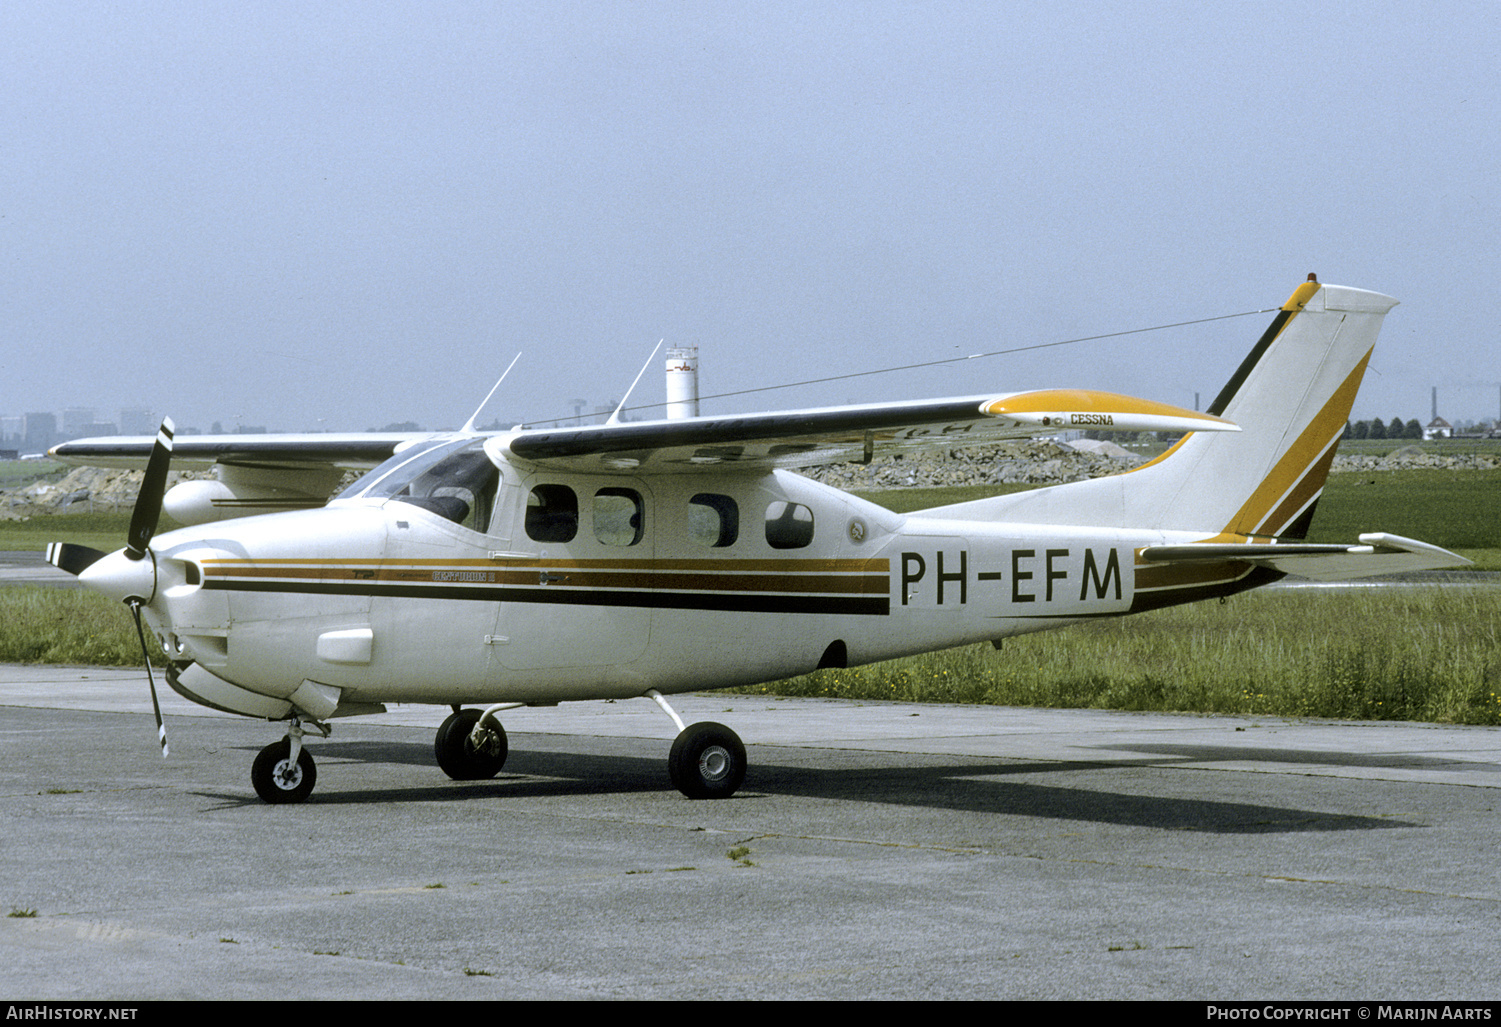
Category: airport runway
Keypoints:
(876, 851)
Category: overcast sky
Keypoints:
(340, 215)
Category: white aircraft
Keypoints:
(487, 571)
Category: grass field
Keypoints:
(1411, 653)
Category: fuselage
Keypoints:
(545, 587)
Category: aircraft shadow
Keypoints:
(968, 786)
(1321, 757)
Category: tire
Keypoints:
(276, 780)
(707, 761)
(457, 756)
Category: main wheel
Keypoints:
(707, 761)
(277, 779)
(457, 754)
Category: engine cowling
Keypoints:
(247, 491)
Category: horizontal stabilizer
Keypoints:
(1377, 553)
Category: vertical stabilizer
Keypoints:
(1291, 397)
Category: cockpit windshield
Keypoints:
(454, 479)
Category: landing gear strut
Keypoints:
(707, 760)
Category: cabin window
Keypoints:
(619, 516)
(713, 520)
(788, 525)
(552, 514)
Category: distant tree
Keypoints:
(1360, 430)
(1347, 433)
(1414, 430)
(1396, 429)
(1378, 429)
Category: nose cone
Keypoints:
(121, 578)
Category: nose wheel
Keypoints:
(284, 771)
(279, 777)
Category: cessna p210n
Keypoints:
(531, 567)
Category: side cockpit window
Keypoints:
(453, 479)
(713, 520)
(788, 525)
(552, 514)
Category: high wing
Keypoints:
(1378, 553)
(348, 451)
(802, 438)
(798, 438)
(253, 474)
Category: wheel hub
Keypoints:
(714, 763)
(287, 775)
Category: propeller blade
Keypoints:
(148, 508)
(73, 558)
(161, 728)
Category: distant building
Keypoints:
(76, 421)
(137, 422)
(40, 432)
(1438, 428)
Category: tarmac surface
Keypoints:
(875, 851)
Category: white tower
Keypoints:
(682, 382)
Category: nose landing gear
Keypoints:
(284, 771)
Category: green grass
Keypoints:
(15, 473)
(67, 626)
(1453, 509)
(104, 531)
(1410, 653)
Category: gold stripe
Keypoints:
(866, 584)
(1296, 467)
(1165, 454)
(825, 566)
(1304, 493)
(1089, 400)
(1301, 295)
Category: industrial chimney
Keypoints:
(682, 382)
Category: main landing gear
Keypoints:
(707, 760)
(471, 745)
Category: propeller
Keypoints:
(156, 707)
(143, 523)
(128, 575)
(148, 508)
